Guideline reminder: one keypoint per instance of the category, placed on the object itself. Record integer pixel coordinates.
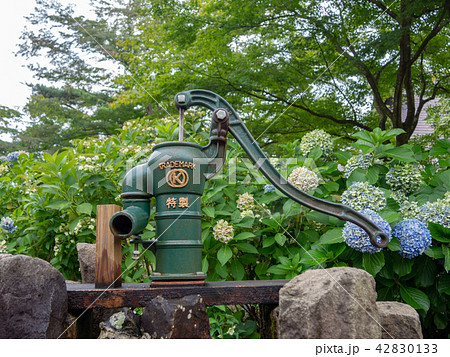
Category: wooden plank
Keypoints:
(82, 296)
(108, 269)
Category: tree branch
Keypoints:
(438, 26)
(385, 9)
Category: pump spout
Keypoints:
(136, 203)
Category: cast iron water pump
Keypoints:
(176, 174)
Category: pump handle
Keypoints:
(213, 101)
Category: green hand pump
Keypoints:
(176, 174)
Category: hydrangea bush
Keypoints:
(249, 229)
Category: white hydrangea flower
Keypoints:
(361, 195)
(3, 246)
(223, 231)
(245, 202)
(316, 138)
(404, 177)
(248, 213)
(358, 161)
(304, 179)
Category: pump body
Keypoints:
(175, 175)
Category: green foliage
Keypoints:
(302, 65)
(231, 322)
(52, 200)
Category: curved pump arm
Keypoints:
(216, 149)
(210, 100)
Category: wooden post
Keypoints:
(108, 250)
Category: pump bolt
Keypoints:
(181, 98)
(221, 114)
(136, 254)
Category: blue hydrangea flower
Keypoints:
(358, 239)
(7, 224)
(414, 237)
(269, 188)
(3, 159)
(13, 156)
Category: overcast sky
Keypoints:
(13, 71)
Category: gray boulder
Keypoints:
(86, 257)
(329, 303)
(171, 319)
(399, 320)
(33, 298)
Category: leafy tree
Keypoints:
(82, 55)
(61, 115)
(298, 64)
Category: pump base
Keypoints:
(177, 277)
(169, 283)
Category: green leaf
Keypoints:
(372, 175)
(224, 254)
(246, 247)
(261, 270)
(444, 284)
(59, 205)
(434, 252)
(318, 217)
(246, 222)
(373, 263)
(222, 270)
(389, 134)
(401, 153)
(358, 175)
(313, 257)
(415, 297)
(332, 236)
(390, 216)
(440, 320)
(278, 269)
(426, 272)
(331, 186)
(270, 222)
(363, 135)
(315, 153)
(291, 208)
(402, 266)
(237, 270)
(205, 265)
(244, 235)
(280, 239)
(268, 241)
(446, 251)
(394, 244)
(85, 208)
(385, 294)
(439, 233)
(209, 211)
